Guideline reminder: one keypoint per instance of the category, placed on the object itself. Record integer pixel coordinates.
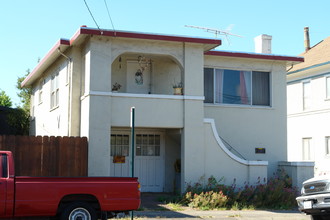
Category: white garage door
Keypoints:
(149, 159)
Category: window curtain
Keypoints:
(245, 87)
(219, 85)
(261, 89)
(208, 85)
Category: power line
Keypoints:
(113, 27)
(92, 15)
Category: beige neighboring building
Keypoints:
(228, 101)
(309, 107)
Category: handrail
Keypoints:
(230, 148)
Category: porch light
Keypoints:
(144, 63)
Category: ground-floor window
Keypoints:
(119, 145)
(148, 145)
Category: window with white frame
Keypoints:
(327, 87)
(226, 86)
(307, 151)
(54, 94)
(327, 145)
(119, 145)
(307, 95)
(147, 145)
(40, 94)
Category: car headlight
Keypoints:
(302, 190)
(328, 187)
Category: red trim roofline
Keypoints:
(110, 33)
(254, 56)
(52, 50)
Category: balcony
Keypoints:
(146, 74)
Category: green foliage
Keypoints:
(206, 200)
(18, 119)
(25, 93)
(276, 193)
(5, 99)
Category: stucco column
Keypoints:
(192, 138)
(74, 92)
(96, 108)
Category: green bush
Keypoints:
(276, 193)
(206, 200)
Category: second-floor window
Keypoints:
(307, 95)
(54, 93)
(226, 86)
(40, 94)
(327, 146)
(327, 87)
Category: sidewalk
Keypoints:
(152, 208)
(222, 215)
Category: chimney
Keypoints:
(306, 39)
(263, 44)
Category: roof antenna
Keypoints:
(217, 32)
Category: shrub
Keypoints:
(206, 200)
(276, 193)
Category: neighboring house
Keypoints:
(87, 85)
(308, 88)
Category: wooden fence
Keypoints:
(47, 156)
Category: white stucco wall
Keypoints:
(249, 127)
(223, 164)
(191, 154)
(96, 109)
(47, 120)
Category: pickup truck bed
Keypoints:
(40, 196)
(85, 198)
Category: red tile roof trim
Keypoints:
(54, 48)
(110, 33)
(254, 56)
(92, 31)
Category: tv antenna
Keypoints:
(217, 32)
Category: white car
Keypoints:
(315, 198)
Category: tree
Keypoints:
(19, 119)
(5, 99)
(25, 93)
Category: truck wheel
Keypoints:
(79, 211)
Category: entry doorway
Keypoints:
(149, 165)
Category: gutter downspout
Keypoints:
(69, 73)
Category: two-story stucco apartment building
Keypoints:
(87, 85)
(309, 107)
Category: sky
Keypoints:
(29, 29)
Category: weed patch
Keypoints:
(276, 193)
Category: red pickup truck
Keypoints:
(85, 198)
